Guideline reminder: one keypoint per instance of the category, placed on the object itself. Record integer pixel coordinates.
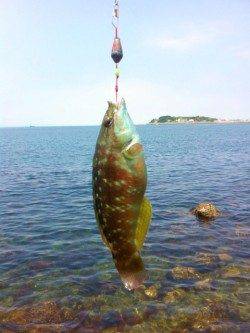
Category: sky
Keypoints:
(182, 57)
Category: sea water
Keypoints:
(54, 269)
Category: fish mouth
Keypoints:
(118, 125)
(116, 114)
(109, 117)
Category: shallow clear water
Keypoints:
(55, 273)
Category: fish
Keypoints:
(122, 210)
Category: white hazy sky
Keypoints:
(184, 57)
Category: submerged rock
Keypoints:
(39, 264)
(205, 258)
(173, 295)
(151, 291)
(203, 284)
(47, 312)
(225, 257)
(3, 284)
(181, 272)
(7, 302)
(150, 311)
(210, 314)
(205, 211)
(231, 272)
(226, 328)
(132, 316)
(112, 320)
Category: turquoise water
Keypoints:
(55, 273)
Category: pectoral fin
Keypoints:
(132, 150)
(143, 223)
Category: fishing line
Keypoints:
(116, 52)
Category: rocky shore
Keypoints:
(197, 302)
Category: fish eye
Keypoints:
(108, 122)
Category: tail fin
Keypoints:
(132, 271)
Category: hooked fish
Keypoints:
(122, 211)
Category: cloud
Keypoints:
(180, 43)
(243, 53)
(189, 36)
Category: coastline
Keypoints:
(203, 123)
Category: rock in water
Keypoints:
(205, 211)
(151, 291)
(122, 211)
(174, 295)
(181, 272)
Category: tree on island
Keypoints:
(181, 119)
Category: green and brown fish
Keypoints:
(122, 211)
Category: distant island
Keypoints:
(191, 120)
